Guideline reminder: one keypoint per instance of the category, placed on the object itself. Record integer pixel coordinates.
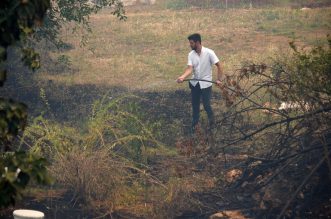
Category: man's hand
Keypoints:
(220, 75)
(187, 72)
(221, 80)
(218, 82)
(180, 79)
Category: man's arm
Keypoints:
(187, 72)
(220, 76)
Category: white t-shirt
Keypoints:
(202, 66)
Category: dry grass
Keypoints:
(105, 184)
(149, 50)
(147, 53)
(90, 176)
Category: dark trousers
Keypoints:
(197, 93)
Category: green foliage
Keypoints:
(44, 99)
(121, 125)
(48, 139)
(113, 146)
(74, 11)
(307, 75)
(17, 170)
(18, 18)
(18, 21)
(314, 72)
(31, 58)
(295, 98)
(13, 118)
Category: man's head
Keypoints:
(195, 41)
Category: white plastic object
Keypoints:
(28, 214)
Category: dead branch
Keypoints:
(288, 120)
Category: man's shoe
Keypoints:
(193, 130)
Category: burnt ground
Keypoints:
(230, 198)
(72, 105)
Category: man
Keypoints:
(200, 63)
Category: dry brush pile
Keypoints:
(279, 123)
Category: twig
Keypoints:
(288, 120)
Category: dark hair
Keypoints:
(195, 37)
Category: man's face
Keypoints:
(193, 45)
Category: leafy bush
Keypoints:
(17, 169)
